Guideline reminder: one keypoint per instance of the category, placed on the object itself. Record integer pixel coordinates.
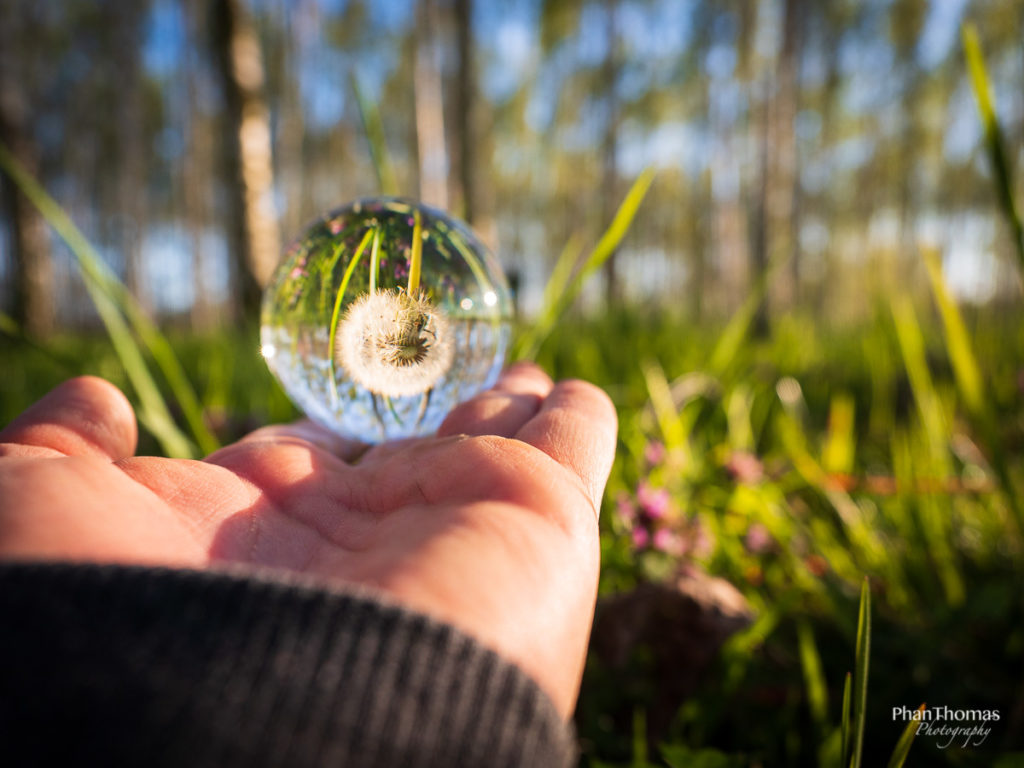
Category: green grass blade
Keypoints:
(374, 129)
(562, 273)
(617, 230)
(899, 754)
(152, 412)
(814, 677)
(735, 332)
(527, 344)
(472, 260)
(118, 306)
(860, 674)
(326, 270)
(337, 309)
(958, 344)
(865, 545)
(605, 247)
(167, 361)
(731, 341)
(994, 141)
(375, 261)
(839, 452)
(673, 431)
(935, 522)
(929, 406)
(639, 738)
(845, 724)
(416, 257)
(391, 407)
(737, 652)
(969, 382)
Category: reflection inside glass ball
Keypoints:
(383, 317)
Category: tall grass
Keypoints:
(995, 144)
(130, 330)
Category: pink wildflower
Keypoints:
(654, 502)
(668, 541)
(641, 537)
(758, 539)
(654, 453)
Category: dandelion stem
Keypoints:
(416, 258)
(337, 310)
(391, 407)
(424, 403)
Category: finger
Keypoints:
(86, 416)
(576, 426)
(306, 431)
(503, 409)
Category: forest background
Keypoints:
(811, 330)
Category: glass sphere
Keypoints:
(384, 316)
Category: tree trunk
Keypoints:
(302, 18)
(785, 182)
(254, 239)
(195, 174)
(701, 210)
(759, 225)
(465, 103)
(829, 132)
(430, 139)
(34, 306)
(609, 183)
(130, 127)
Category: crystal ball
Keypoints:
(383, 316)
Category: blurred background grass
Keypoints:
(812, 329)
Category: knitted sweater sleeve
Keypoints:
(118, 665)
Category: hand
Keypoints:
(490, 526)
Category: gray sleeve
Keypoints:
(118, 665)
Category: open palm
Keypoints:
(491, 525)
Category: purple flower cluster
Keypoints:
(652, 520)
(402, 266)
(655, 523)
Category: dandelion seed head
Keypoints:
(395, 344)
